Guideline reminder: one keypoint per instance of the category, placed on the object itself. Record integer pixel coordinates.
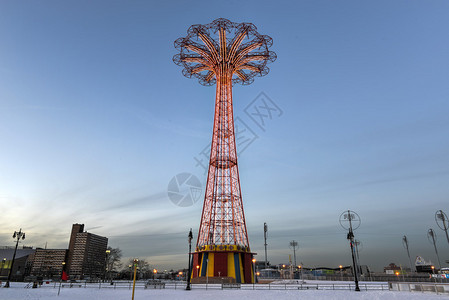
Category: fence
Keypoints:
(439, 288)
(258, 286)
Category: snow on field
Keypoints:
(18, 292)
(97, 294)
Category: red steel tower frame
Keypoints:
(223, 53)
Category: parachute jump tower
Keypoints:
(223, 53)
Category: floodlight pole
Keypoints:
(190, 237)
(431, 233)
(265, 229)
(294, 245)
(405, 241)
(350, 237)
(440, 215)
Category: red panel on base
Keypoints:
(196, 262)
(220, 264)
(247, 257)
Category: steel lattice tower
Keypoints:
(223, 52)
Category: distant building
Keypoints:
(48, 263)
(86, 254)
(423, 266)
(392, 269)
(21, 263)
(85, 258)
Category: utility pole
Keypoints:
(265, 230)
(432, 236)
(405, 242)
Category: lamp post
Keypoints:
(189, 237)
(341, 272)
(62, 271)
(197, 271)
(106, 269)
(154, 273)
(136, 261)
(254, 270)
(433, 273)
(17, 235)
(300, 272)
(130, 272)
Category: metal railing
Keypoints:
(218, 286)
(438, 288)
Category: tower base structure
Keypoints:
(230, 262)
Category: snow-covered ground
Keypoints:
(18, 292)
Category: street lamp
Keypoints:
(106, 269)
(136, 262)
(433, 272)
(17, 235)
(254, 269)
(62, 271)
(300, 272)
(197, 271)
(341, 272)
(154, 273)
(130, 272)
(189, 238)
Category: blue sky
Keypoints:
(96, 119)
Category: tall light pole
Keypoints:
(294, 245)
(17, 235)
(405, 242)
(432, 236)
(189, 237)
(347, 218)
(265, 231)
(441, 217)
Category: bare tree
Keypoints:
(113, 262)
(143, 267)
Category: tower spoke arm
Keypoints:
(235, 45)
(206, 40)
(250, 68)
(196, 60)
(201, 52)
(200, 69)
(245, 51)
(240, 75)
(252, 58)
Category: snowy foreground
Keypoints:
(18, 292)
